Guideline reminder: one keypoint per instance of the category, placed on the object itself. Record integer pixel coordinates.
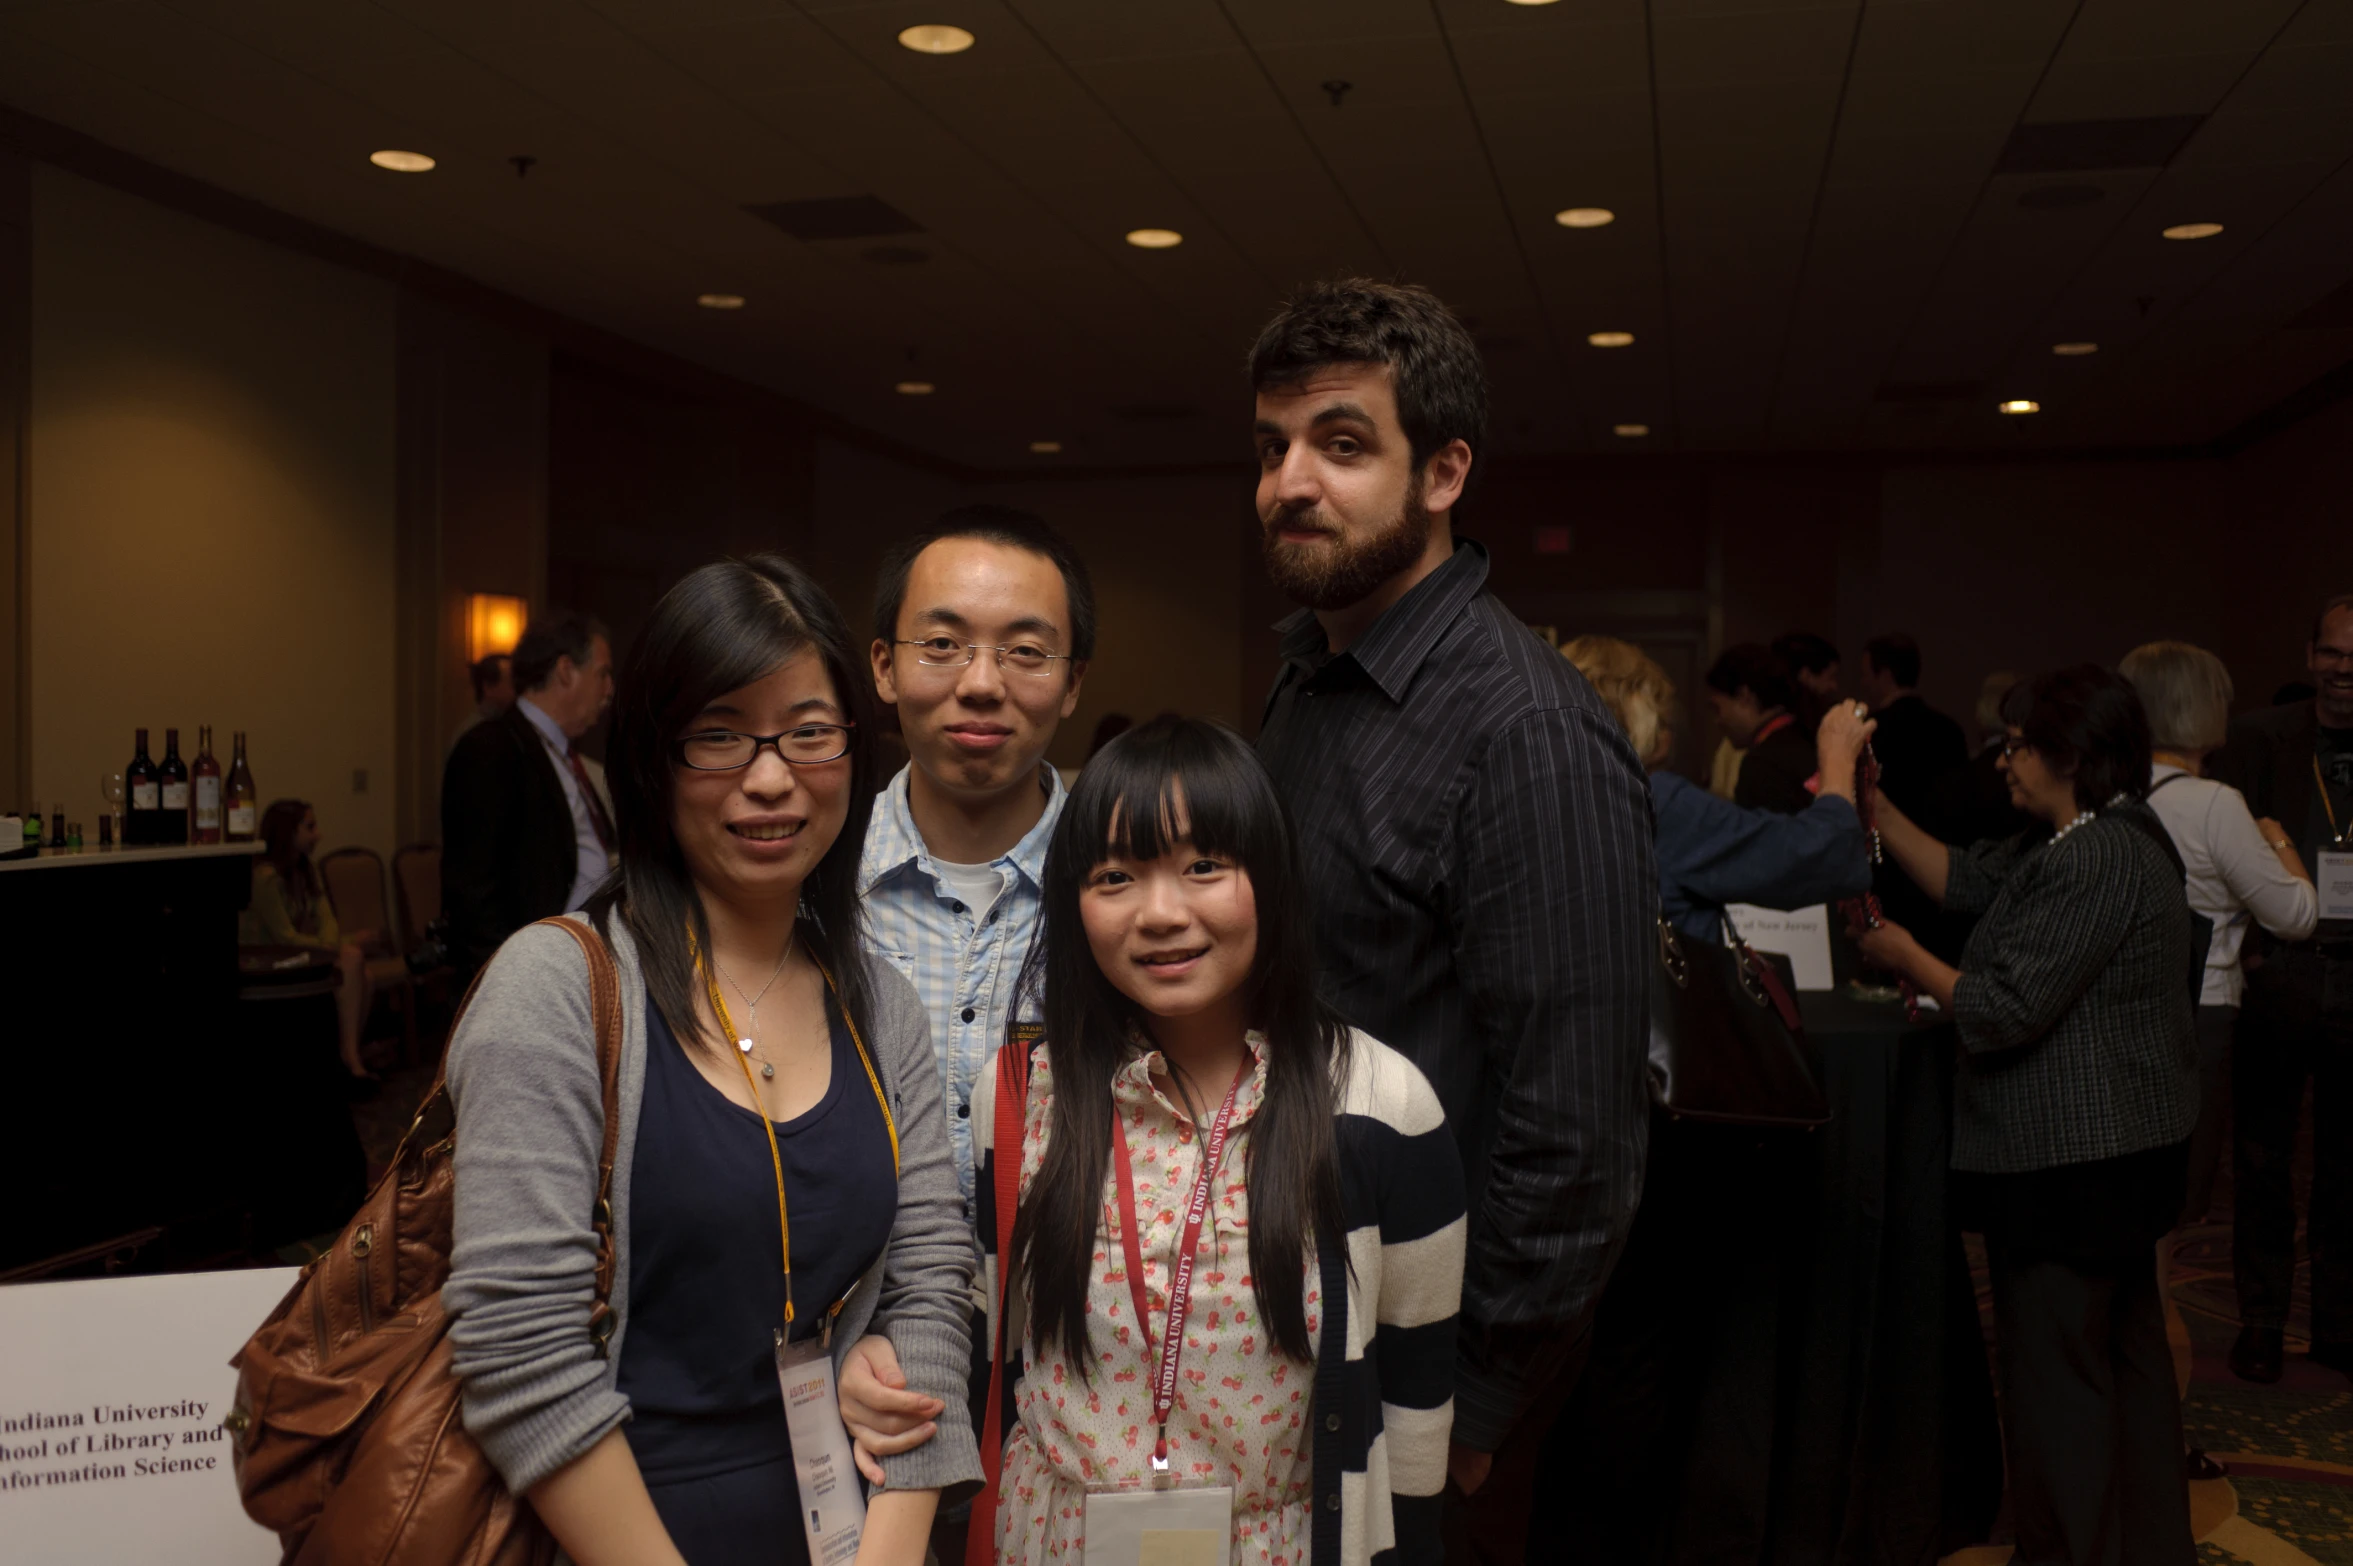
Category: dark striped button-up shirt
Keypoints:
(1477, 840)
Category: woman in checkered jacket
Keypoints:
(2071, 1120)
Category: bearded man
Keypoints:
(1477, 831)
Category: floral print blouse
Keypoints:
(1241, 1416)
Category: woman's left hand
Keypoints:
(884, 1418)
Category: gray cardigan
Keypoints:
(530, 1124)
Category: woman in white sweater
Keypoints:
(2241, 870)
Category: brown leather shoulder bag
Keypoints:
(345, 1432)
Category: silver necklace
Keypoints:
(751, 1003)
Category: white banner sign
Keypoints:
(111, 1398)
(1802, 935)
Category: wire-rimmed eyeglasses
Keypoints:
(723, 750)
(945, 652)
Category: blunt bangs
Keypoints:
(1156, 786)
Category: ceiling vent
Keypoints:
(2078, 146)
(836, 217)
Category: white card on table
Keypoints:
(1802, 935)
(833, 1508)
(2334, 881)
(1160, 1527)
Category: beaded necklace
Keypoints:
(2120, 798)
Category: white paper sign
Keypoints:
(2336, 884)
(111, 1398)
(1802, 935)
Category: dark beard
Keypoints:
(1350, 572)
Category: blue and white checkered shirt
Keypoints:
(965, 970)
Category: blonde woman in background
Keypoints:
(1713, 1197)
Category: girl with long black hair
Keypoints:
(783, 1181)
(1203, 1137)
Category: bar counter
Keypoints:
(127, 1109)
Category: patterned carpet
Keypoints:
(2288, 1499)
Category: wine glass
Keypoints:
(110, 789)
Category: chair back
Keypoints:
(355, 885)
(416, 879)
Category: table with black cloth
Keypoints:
(1793, 1333)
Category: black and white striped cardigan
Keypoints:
(1384, 1374)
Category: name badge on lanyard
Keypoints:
(833, 1508)
(2332, 878)
(833, 1505)
(1164, 1525)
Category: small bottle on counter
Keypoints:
(105, 834)
(57, 828)
(173, 775)
(32, 828)
(204, 778)
(73, 836)
(244, 802)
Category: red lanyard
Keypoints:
(1180, 1281)
(1770, 727)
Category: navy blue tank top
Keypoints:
(706, 1281)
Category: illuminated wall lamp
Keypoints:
(494, 623)
(2021, 405)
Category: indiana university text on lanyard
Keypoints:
(1183, 1523)
(2333, 875)
(833, 1508)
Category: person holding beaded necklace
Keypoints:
(2077, 1093)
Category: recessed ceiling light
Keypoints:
(401, 162)
(2021, 405)
(1045, 448)
(1154, 238)
(1630, 430)
(2074, 350)
(1528, 2)
(1610, 339)
(719, 301)
(936, 38)
(1582, 217)
(2193, 231)
(915, 388)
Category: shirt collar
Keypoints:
(549, 729)
(893, 841)
(1394, 647)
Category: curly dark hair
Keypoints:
(1435, 370)
(2086, 723)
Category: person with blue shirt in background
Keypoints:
(983, 626)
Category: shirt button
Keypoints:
(969, 1014)
(964, 1112)
(1331, 1421)
(1331, 1503)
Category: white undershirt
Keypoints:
(979, 886)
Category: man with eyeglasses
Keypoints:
(2295, 765)
(982, 630)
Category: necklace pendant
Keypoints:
(767, 1071)
(745, 1045)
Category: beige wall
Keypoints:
(1165, 555)
(211, 498)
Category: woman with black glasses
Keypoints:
(2072, 1116)
(782, 1181)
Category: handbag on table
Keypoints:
(346, 1432)
(1726, 1041)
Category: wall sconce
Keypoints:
(494, 623)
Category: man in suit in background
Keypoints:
(2295, 765)
(524, 832)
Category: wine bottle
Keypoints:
(205, 777)
(244, 808)
(172, 821)
(146, 799)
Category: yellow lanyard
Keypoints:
(776, 1155)
(2326, 803)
